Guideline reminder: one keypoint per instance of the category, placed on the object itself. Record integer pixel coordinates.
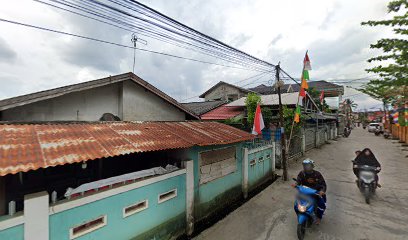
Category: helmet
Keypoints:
(308, 164)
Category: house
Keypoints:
(224, 91)
(124, 97)
(200, 108)
(330, 89)
(122, 180)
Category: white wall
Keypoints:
(87, 105)
(142, 105)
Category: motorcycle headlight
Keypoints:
(301, 208)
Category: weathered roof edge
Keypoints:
(222, 82)
(60, 91)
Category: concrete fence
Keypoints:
(160, 207)
(400, 132)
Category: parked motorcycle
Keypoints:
(367, 182)
(378, 131)
(387, 134)
(305, 206)
(346, 132)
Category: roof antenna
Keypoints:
(134, 40)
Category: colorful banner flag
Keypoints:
(306, 63)
(258, 121)
(297, 114)
(321, 97)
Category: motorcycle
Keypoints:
(347, 132)
(366, 181)
(387, 134)
(378, 131)
(305, 206)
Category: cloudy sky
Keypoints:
(276, 31)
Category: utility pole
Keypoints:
(279, 84)
(134, 40)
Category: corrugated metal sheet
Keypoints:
(270, 100)
(25, 147)
(223, 113)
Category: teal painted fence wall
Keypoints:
(215, 195)
(260, 167)
(158, 221)
(13, 233)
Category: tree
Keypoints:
(393, 82)
(251, 103)
(315, 94)
(288, 116)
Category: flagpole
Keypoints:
(297, 104)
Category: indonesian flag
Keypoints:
(258, 121)
(322, 97)
(302, 95)
(306, 63)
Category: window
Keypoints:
(260, 159)
(88, 227)
(135, 208)
(268, 155)
(252, 162)
(167, 195)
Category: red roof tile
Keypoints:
(222, 113)
(25, 147)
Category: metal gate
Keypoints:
(310, 138)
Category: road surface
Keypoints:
(270, 215)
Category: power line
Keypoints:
(158, 26)
(116, 44)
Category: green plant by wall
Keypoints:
(288, 116)
(251, 102)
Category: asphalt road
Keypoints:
(270, 215)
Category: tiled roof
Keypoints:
(200, 108)
(222, 113)
(25, 147)
(56, 92)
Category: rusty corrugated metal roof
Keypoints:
(25, 147)
(222, 113)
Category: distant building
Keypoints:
(200, 108)
(330, 89)
(224, 91)
(122, 97)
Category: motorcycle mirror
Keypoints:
(294, 179)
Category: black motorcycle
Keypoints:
(346, 132)
(367, 180)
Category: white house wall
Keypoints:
(87, 105)
(142, 105)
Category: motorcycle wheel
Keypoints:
(367, 195)
(301, 229)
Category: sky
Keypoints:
(275, 31)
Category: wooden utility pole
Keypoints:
(282, 126)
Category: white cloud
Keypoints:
(274, 31)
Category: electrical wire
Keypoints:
(115, 44)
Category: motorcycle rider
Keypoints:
(314, 179)
(366, 157)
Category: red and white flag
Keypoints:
(306, 63)
(322, 97)
(258, 121)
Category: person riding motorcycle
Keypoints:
(366, 157)
(314, 179)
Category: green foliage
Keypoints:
(288, 116)
(393, 81)
(251, 102)
(316, 98)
